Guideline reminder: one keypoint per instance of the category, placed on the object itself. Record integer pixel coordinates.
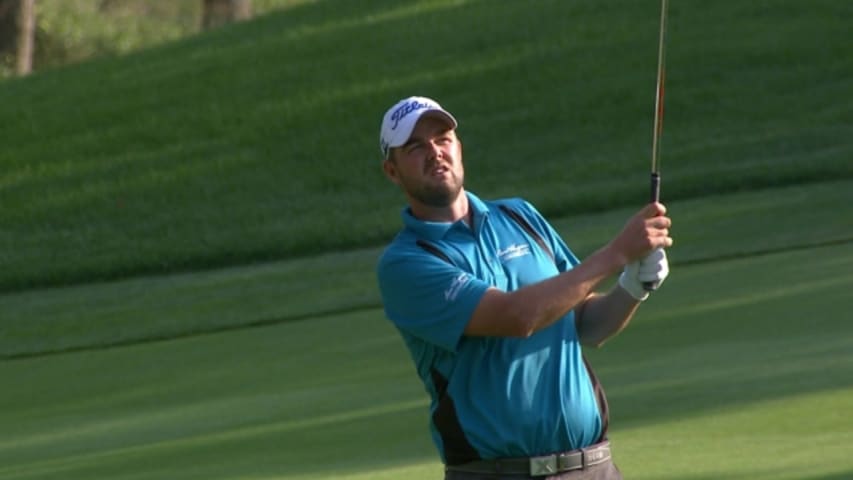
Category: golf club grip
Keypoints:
(654, 197)
(655, 190)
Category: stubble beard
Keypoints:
(438, 195)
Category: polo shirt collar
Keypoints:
(435, 231)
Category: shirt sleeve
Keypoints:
(427, 297)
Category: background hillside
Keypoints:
(259, 141)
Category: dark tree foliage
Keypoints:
(8, 26)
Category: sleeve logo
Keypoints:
(456, 286)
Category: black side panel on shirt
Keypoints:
(457, 449)
(601, 398)
(434, 250)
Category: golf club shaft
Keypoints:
(659, 104)
(658, 127)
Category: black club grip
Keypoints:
(654, 197)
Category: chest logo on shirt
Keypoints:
(513, 251)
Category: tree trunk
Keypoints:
(242, 9)
(26, 37)
(216, 13)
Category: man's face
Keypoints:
(429, 166)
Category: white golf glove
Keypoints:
(652, 269)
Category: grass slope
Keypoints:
(142, 309)
(744, 359)
(258, 141)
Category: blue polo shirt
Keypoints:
(491, 397)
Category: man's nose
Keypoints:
(433, 150)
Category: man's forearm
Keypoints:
(602, 316)
(558, 295)
(522, 312)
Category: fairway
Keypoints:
(746, 359)
(142, 309)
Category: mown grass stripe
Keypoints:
(370, 306)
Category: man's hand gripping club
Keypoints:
(642, 244)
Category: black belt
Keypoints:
(542, 465)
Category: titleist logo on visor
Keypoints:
(406, 109)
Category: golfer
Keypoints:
(494, 307)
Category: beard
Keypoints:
(436, 195)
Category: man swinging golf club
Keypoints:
(494, 307)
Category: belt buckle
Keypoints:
(544, 465)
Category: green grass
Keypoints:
(157, 307)
(258, 141)
(127, 351)
(743, 359)
(746, 360)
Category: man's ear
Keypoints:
(390, 170)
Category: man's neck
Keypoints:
(458, 210)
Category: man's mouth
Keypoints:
(439, 171)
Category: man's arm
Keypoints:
(600, 317)
(603, 316)
(522, 312)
